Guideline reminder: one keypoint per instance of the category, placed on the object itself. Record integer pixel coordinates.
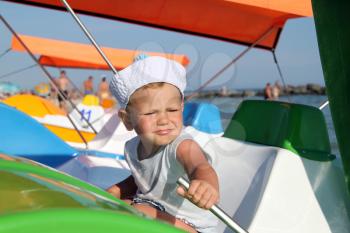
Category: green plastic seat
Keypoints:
(299, 128)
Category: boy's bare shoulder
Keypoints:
(187, 145)
(189, 149)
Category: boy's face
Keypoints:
(155, 113)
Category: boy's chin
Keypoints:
(162, 141)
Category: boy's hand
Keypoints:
(201, 193)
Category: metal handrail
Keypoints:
(233, 61)
(89, 35)
(217, 211)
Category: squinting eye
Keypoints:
(173, 110)
(149, 113)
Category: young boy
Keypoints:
(151, 93)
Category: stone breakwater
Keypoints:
(308, 89)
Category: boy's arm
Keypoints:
(125, 189)
(204, 185)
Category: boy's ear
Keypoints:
(182, 106)
(123, 115)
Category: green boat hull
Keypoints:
(333, 33)
(35, 198)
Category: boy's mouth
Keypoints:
(163, 132)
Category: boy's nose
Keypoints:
(163, 118)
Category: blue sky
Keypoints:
(297, 49)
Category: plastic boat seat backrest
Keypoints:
(23, 136)
(204, 117)
(299, 128)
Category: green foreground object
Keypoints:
(299, 128)
(27, 168)
(333, 34)
(34, 198)
(79, 220)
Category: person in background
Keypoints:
(63, 84)
(150, 93)
(103, 89)
(89, 86)
(276, 89)
(268, 92)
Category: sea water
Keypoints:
(228, 106)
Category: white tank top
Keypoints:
(156, 179)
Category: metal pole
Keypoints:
(17, 71)
(75, 87)
(324, 104)
(50, 78)
(88, 34)
(280, 72)
(217, 211)
(46, 72)
(5, 52)
(70, 81)
(268, 32)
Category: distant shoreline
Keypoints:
(308, 89)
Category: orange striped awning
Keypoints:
(66, 54)
(241, 21)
